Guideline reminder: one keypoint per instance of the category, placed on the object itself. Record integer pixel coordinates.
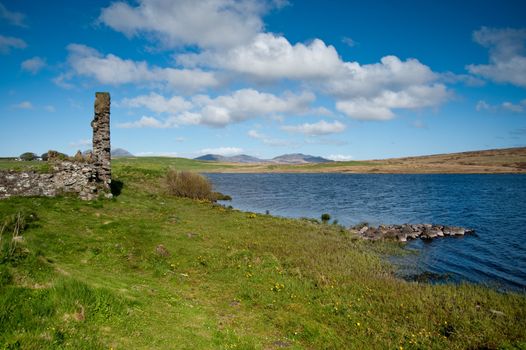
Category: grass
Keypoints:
(87, 275)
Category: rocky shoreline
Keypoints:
(405, 232)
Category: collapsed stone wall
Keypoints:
(89, 179)
(65, 177)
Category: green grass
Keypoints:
(87, 276)
(34, 165)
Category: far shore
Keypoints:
(498, 161)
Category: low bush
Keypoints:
(190, 185)
(28, 156)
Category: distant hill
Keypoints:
(299, 158)
(242, 158)
(120, 152)
(296, 158)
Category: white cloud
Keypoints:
(113, 70)
(349, 41)
(340, 157)
(268, 140)
(24, 105)
(146, 122)
(7, 43)
(381, 107)
(247, 104)
(157, 154)
(504, 106)
(158, 103)
(270, 56)
(14, 18)
(33, 65)
(49, 108)
(80, 143)
(482, 105)
(220, 111)
(369, 91)
(507, 60)
(205, 23)
(516, 108)
(320, 128)
(222, 151)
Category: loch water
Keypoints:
(493, 205)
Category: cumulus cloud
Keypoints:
(7, 43)
(33, 65)
(205, 23)
(220, 111)
(381, 107)
(271, 56)
(14, 18)
(340, 157)
(23, 105)
(507, 55)
(314, 129)
(370, 91)
(111, 69)
(146, 122)
(222, 151)
(158, 103)
(505, 106)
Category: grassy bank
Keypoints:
(147, 270)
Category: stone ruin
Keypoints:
(89, 177)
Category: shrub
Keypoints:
(55, 155)
(325, 217)
(190, 185)
(27, 156)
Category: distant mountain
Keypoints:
(296, 158)
(299, 158)
(120, 152)
(211, 157)
(242, 158)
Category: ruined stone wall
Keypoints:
(101, 137)
(65, 177)
(88, 179)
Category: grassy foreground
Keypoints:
(90, 275)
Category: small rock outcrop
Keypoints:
(406, 232)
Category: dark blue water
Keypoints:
(493, 205)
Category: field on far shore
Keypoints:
(498, 161)
(510, 160)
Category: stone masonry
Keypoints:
(101, 137)
(89, 179)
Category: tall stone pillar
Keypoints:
(101, 137)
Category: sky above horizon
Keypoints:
(346, 80)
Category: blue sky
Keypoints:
(339, 79)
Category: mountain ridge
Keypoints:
(291, 158)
